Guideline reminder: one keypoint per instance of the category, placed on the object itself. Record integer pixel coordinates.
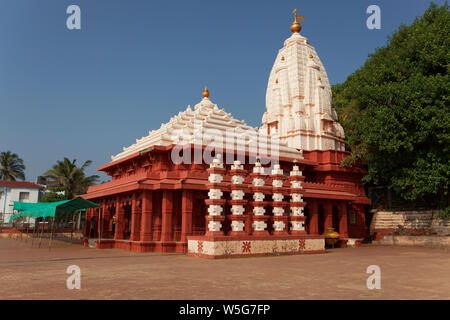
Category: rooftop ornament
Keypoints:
(296, 27)
(206, 92)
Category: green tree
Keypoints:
(54, 195)
(66, 175)
(395, 109)
(11, 166)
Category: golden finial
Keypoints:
(296, 27)
(206, 92)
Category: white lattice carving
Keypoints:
(258, 196)
(237, 194)
(215, 193)
(259, 225)
(278, 225)
(237, 209)
(277, 197)
(215, 178)
(259, 211)
(214, 226)
(237, 225)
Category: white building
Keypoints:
(11, 191)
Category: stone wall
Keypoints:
(416, 241)
(410, 222)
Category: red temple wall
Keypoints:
(325, 181)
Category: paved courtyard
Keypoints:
(28, 272)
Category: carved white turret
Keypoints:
(215, 201)
(298, 99)
(237, 198)
(297, 217)
(259, 219)
(279, 220)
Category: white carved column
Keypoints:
(279, 218)
(215, 201)
(259, 217)
(297, 205)
(237, 199)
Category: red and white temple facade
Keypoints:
(209, 185)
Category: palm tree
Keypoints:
(65, 174)
(11, 166)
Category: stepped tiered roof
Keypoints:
(208, 125)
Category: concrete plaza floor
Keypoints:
(28, 272)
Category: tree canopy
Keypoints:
(11, 166)
(395, 109)
(72, 179)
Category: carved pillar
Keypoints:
(215, 203)
(146, 219)
(259, 217)
(328, 215)
(343, 227)
(279, 218)
(120, 213)
(297, 204)
(166, 216)
(237, 199)
(87, 223)
(186, 214)
(313, 217)
(135, 218)
(105, 220)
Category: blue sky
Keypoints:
(86, 93)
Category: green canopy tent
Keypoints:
(50, 209)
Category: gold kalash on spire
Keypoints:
(296, 27)
(206, 92)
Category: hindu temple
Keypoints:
(210, 185)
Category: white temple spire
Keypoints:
(298, 98)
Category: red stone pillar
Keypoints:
(343, 226)
(313, 217)
(186, 214)
(87, 224)
(105, 220)
(97, 212)
(166, 215)
(146, 219)
(249, 220)
(134, 219)
(361, 229)
(120, 213)
(328, 212)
